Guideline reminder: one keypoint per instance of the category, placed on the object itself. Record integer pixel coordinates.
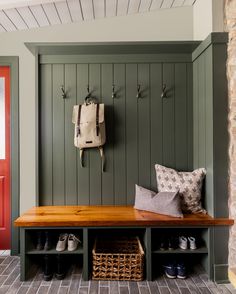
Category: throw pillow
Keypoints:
(189, 185)
(167, 203)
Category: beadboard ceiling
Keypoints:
(27, 14)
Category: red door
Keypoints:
(4, 157)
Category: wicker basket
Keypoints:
(118, 259)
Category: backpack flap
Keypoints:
(89, 125)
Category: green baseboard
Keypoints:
(221, 273)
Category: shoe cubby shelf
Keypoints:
(150, 239)
(54, 251)
(200, 250)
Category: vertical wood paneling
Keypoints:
(156, 119)
(190, 114)
(140, 132)
(108, 175)
(181, 143)
(95, 160)
(168, 116)
(202, 112)
(144, 178)
(131, 131)
(195, 114)
(58, 136)
(70, 149)
(120, 136)
(83, 172)
(209, 127)
(45, 162)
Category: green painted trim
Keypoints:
(221, 273)
(112, 47)
(13, 62)
(37, 127)
(213, 38)
(122, 58)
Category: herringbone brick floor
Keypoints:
(73, 283)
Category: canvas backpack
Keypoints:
(89, 128)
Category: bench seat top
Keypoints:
(109, 216)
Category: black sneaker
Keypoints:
(40, 241)
(48, 268)
(181, 270)
(60, 268)
(48, 241)
(163, 244)
(172, 244)
(170, 270)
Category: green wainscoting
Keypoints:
(210, 136)
(140, 132)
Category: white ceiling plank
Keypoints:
(6, 22)
(122, 7)
(28, 17)
(75, 10)
(167, 4)
(16, 18)
(156, 4)
(7, 4)
(189, 2)
(134, 6)
(111, 6)
(51, 13)
(40, 15)
(87, 9)
(145, 5)
(178, 3)
(99, 8)
(63, 11)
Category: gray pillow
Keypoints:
(167, 203)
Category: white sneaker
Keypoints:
(73, 242)
(192, 243)
(62, 242)
(183, 243)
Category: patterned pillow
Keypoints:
(189, 185)
(167, 203)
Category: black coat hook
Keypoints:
(63, 92)
(113, 95)
(164, 92)
(138, 91)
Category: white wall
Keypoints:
(171, 24)
(208, 16)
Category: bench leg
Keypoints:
(85, 273)
(148, 254)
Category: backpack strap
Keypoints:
(97, 119)
(102, 157)
(78, 121)
(81, 152)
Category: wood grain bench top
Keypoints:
(110, 216)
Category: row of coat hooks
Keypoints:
(114, 93)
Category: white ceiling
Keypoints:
(27, 14)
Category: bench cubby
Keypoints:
(90, 222)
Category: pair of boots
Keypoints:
(50, 267)
(44, 241)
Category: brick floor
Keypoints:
(196, 283)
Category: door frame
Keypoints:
(13, 63)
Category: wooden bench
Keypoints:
(86, 219)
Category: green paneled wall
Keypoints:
(210, 137)
(210, 125)
(140, 132)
